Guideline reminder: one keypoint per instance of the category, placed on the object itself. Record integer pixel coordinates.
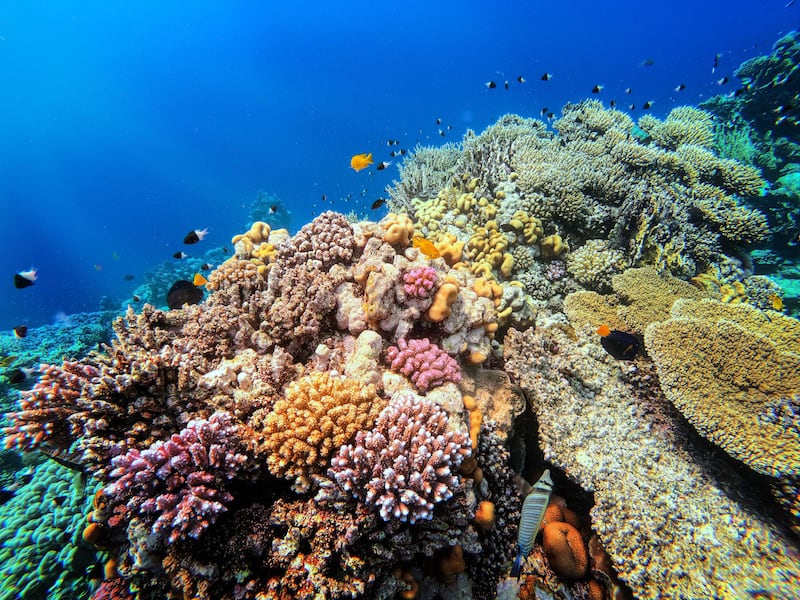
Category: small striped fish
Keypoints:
(531, 518)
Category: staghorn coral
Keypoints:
(317, 415)
(425, 364)
(406, 463)
(182, 480)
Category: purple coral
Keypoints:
(426, 364)
(418, 282)
(406, 463)
(181, 479)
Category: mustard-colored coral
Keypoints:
(487, 246)
(683, 125)
(594, 263)
(734, 221)
(724, 367)
(398, 229)
(443, 299)
(553, 247)
(429, 213)
(317, 415)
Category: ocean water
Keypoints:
(126, 126)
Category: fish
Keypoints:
(723, 80)
(597, 89)
(20, 331)
(521, 79)
(551, 116)
(544, 111)
(273, 209)
(183, 292)
(438, 121)
(24, 279)
(179, 255)
(137, 298)
(59, 500)
(647, 62)
(426, 247)
(717, 56)
(441, 132)
(16, 376)
(775, 301)
(7, 360)
(619, 344)
(384, 164)
(199, 280)
(97, 267)
(195, 235)
(628, 90)
(546, 77)
(403, 151)
(490, 84)
(631, 107)
(129, 277)
(115, 255)
(378, 203)
(613, 104)
(647, 105)
(505, 83)
(205, 267)
(530, 519)
(680, 87)
(359, 162)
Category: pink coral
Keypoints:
(418, 282)
(406, 463)
(426, 364)
(181, 479)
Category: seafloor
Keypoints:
(359, 409)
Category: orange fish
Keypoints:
(603, 330)
(426, 247)
(199, 280)
(361, 161)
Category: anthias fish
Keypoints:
(426, 247)
(360, 162)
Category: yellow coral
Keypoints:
(318, 414)
(726, 368)
(442, 300)
(553, 246)
(734, 221)
(487, 245)
(429, 213)
(398, 229)
(450, 248)
(683, 125)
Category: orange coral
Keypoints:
(565, 550)
(399, 229)
(442, 301)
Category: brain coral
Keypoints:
(723, 366)
(318, 414)
(407, 463)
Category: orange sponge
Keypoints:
(565, 550)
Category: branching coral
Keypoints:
(181, 482)
(318, 414)
(406, 463)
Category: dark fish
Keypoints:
(438, 121)
(441, 132)
(680, 87)
(547, 77)
(21, 331)
(179, 255)
(741, 91)
(324, 197)
(129, 277)
(137, 298)
(716, 62)
(6, 495)
(59, 500)
(21, 281)
(183, 292)
(16, 376)
(620, 345)
(723, 80)
(393, 153)
(628, 90)
(195, 236)
(273, 209)
(647, 62)
(205, 267)
(384, 164)
(507, 227)
(378, 203)
(647, 105)
(597, 89)
(631, 107)
(544, 111)
(490, 84)
(613, 104)
(403, 152)
(521, 79)
(551, 116)
(505, 83)
(65, 462)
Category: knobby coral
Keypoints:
(424, 363)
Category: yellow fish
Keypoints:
(199, 280)
(361, 161)
(776, 301)
(426, 247)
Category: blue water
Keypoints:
(124, 127)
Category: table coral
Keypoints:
(406, 463)
(424, 363)
(317, 415)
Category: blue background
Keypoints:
(125, 125)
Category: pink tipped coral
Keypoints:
(418, 282)
(424, 363)
(407, 463)
(180, 480)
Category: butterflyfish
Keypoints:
(195, 235)
(360, 162)
(530, 519)
(426, 247)
(619, 344)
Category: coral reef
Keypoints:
(425, 364)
